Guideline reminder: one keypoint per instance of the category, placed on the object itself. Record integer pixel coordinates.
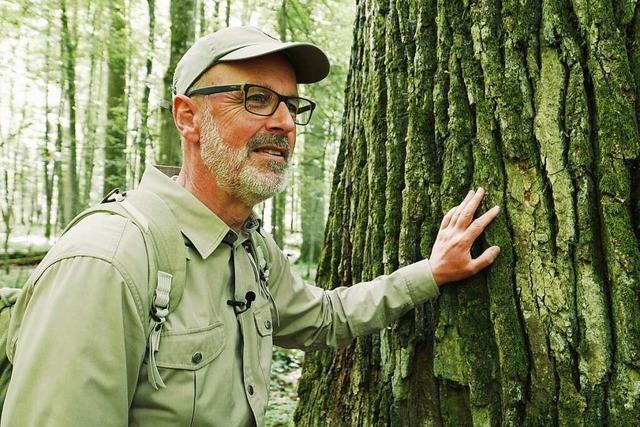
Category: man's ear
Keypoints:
(185, 117)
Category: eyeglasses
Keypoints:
(263, 101)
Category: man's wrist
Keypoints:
(419, 281)
(435, 272)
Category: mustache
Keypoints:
(269, 139)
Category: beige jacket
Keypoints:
(78, 347)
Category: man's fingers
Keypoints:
(460, 207)
(447, 218)
(486, 259)
(479, 224)
(466, 214)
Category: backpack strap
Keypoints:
(171, 269)
(166, 237)
(260, 253)
(161, 236)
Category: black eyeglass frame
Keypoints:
(210, 90)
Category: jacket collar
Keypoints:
(203, 228)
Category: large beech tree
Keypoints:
(537, 101)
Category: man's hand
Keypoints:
(451, 254)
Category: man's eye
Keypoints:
(293, 105)
(259, 98)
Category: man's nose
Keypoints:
(281, 119)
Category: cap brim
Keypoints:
(309, 62)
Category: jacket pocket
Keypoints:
(190, 349)
(264, 327)
(263, 321)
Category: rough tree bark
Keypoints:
(537, 101)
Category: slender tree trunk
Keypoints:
(58, 171)
(182, 35)
(46, 154)
(277, 218)
(21, 187)
(91, 113)
(215, 16)
(7, 215)
(144, 135)
(202, 21)
(538, 103)
(312, 190)
(115, 161)
(69, 43)
(130, 86)
(35, 212)
(279, 201)
(293, 205)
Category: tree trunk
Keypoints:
(144, 135)
(115, 160)
(227, 13)
(59, 173)
(6, 209)
(537, 102)
(202, 21)
(214, 25)
(182, 35)
(46, 154)
(69, 42)
(91, 114)
(279, 201)
(312, 189)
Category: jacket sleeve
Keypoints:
(311, 317)
(80, 345)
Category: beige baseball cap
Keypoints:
(235, 43)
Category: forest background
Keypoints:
(85, 107)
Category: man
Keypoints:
(80, 359)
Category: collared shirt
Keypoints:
(78, 346)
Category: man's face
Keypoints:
(248, 154)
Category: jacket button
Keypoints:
(250, 390)
(267, 324)
(197, 357)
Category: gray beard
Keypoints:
(249, 183)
